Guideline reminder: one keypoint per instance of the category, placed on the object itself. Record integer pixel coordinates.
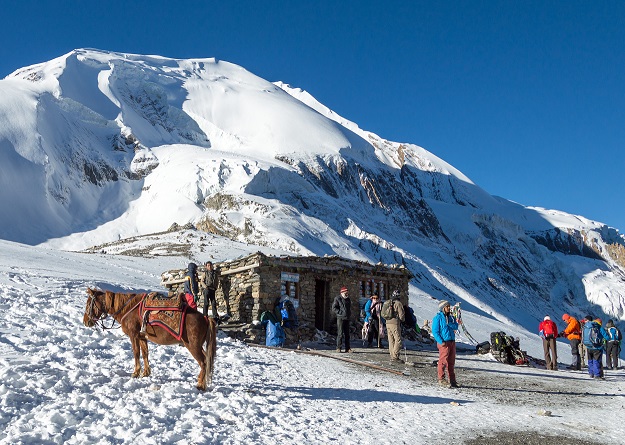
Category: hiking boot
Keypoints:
(444, 383)
(454, 385)
(396, 360)
(338, 349)
(349, 351)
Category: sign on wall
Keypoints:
(288, 276)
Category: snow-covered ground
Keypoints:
(61, 382)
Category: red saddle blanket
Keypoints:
(165, 312)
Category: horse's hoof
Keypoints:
(135, 374)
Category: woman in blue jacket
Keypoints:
(444, 326)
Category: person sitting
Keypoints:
(191, 290)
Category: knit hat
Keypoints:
(547, 318)
(395, 295)
(442, 304)
(565, 317)
(343, 289)
(588, 317)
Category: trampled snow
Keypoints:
(64, 383)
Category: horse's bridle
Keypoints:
(99, 322)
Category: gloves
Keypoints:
(562, 334)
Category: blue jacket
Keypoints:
(368, 310)
(443, 327)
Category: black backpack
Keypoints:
(497, 341)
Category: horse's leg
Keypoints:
(143, 343)
(196, 350)
(134, 340)
(194, 342)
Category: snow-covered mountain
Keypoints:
(98, 146)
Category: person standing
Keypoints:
(372, 311)
(393, 326)
(593, 337)
(444, 326)
(573, 333)
(209, 281)
(342, 307)
(613, 345)
(549, 332)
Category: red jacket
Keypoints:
(548, 329)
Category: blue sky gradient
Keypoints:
(526, 98)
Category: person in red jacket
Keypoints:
(573, 332)
(549, 332)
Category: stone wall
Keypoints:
(251, 285)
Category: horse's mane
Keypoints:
(117, 301)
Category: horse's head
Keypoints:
(95, 309)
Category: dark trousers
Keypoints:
(342, 328)
(374, 331)
(209, 296)
(611, 354)
(576, 362)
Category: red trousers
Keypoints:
(447, 360)
(190, 301)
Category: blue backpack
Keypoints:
(614, 334)
(274, 335)
(592, 335)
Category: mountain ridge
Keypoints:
(127, 145)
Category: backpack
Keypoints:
(268, 316)
(592, 336)
(483, 348)
(388, 311)
(411, 319)
(615, 334)
(288, 313)
(275, 335)
(498, 341)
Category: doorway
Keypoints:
(322, 305)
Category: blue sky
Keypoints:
(526, 98)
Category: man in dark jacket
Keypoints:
(209, 282)
(342, 307)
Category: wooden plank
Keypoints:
(320, 354)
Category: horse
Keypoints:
(197, 331)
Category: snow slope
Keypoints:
(97, 146)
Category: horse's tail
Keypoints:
(211, 348)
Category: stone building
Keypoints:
(250, 285)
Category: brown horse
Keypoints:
(197, 331)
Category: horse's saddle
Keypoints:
(166, 312)
(155, 301)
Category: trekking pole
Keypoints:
(379, 330)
